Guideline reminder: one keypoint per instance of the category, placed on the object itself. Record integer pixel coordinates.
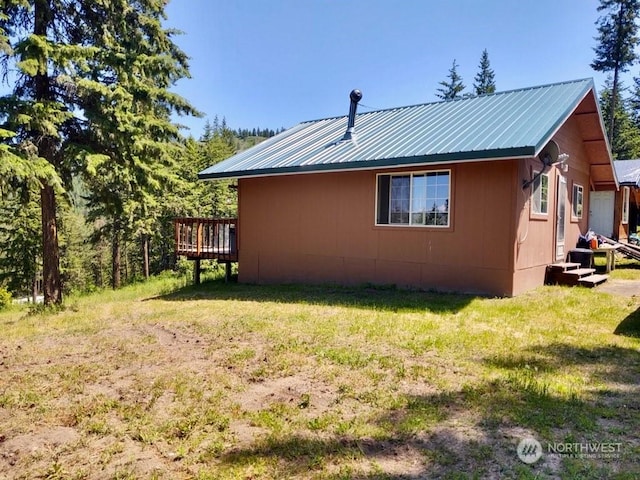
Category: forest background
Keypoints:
(94, 166)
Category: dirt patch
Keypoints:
(625, 288)
(303, 392)
(36, 444)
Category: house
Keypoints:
(478, 195)
(615, 213)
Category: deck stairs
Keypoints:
(627, 249)
(570, 273)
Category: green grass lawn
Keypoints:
(163, 381)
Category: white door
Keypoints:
(601, 206)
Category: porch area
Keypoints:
(200, 239)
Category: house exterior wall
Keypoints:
(535, 242)
(321, 228)
(621, 230)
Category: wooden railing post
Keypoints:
(199, 238)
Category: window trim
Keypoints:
(533, 213)
(625, 205)
(574, 204)
(411, 174)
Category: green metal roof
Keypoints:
(512, 124)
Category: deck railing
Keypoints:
(207, 238)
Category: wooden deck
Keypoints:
(207, 238)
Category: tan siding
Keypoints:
(536, 239)
(320, 228)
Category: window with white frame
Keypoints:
(420, 199)
(540, 193)
(577, 200)
(625, 204)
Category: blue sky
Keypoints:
(274, 63)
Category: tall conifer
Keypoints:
(484, 81)
(617, 40)
(453, 86)
(92, 93)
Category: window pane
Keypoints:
(540, 194)
(418, 199)
(577, 201)
(383, 199)
(399, 203)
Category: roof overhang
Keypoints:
(595, 142)
(441, 159)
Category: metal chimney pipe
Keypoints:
(355, 96)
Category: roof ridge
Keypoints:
(469, 97)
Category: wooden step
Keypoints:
(563, 266)
(579, 272)
(572, 277)
(592, 280)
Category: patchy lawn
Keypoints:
(160, 381)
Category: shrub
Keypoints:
(5, 298)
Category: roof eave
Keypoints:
(435, 159)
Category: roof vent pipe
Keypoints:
(355, 96)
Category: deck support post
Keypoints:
(227, 272)
(196, 272)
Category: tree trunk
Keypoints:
(34, 287)
(612, 106)
(52, 284)
(115, 257)
(145, 256)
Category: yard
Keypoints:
(166, 381)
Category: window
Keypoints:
(540, 193)
(414, 199)
(625, 204)
(577, 200)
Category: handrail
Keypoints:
(213, 238)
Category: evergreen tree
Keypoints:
(128, 112)
(20, 257)
(38, 38)
(625, 140)
(453, 87)
(615, 52)
(484, 81)
(634, 103)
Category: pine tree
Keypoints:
(615, 52)
(128, 112)
(452, 88)
(39, 39)
(20, 258)
(625, 140)
(484, 81)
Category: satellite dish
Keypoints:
(549, 154)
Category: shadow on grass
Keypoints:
(618, 366)
(386, 298)
(423, 439)
(630, 326)
(477, 428)
(608, 363)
